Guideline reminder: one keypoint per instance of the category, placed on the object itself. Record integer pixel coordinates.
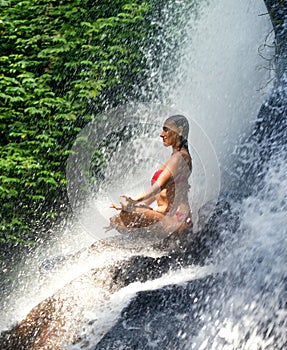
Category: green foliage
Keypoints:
(61, 62)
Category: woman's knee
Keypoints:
(140, 217)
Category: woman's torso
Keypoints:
(174, 193)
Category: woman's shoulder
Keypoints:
(182, 155)
(177, 160)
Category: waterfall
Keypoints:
(226, 74)
(249, 311)
(236, 300)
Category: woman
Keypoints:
(169, 186)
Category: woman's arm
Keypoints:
(170, 170)
(144, 196)
(149, 200)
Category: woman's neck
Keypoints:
(174, 150)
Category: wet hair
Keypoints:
(181, 120)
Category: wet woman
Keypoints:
(169, 187)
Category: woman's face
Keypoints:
(169, 134)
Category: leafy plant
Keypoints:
(61, 63)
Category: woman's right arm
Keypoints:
(170, 169)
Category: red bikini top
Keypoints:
(156, 175)
(178, 179)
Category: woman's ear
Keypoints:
(180, 130)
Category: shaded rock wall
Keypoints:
(269, 137)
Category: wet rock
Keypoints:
(162, 319)
(57, 319)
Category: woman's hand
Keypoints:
(129, 204)
(130, 199)
(113, 206)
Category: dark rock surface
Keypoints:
(268, 139)
(162, 319)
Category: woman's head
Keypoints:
(181, 124)
(178, 126)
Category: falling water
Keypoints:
(249, 311)
(220, 85)
(226, 72)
